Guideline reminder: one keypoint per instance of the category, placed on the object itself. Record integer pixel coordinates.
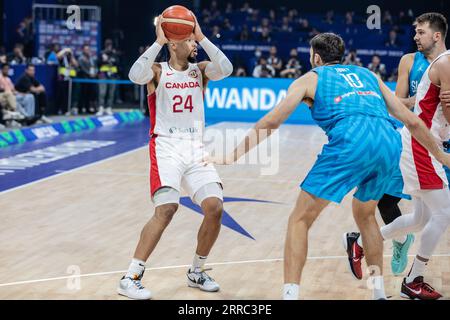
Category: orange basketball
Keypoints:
(177, 23)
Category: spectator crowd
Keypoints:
(25, 102)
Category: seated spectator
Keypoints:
(24, 103)
(285, 25)
(387, 17)
(265, 23)
(274, 60)
(377, 67)
(392, 42)
(263, 70)
(240, 72)
(403, 18)
(349, 18)
(254, 16)
(214, 10)
(292, 15)
(265, 35)
(329, 17)
(3, 59)
(226, 25)
(255, 59)
(293, 68)
(314, 32)
(229, 8)
(17, 56)
(15, 102)
(304, 26)
(215, 33)
(272, 16)
(8, 102)
(352, 59)
(245, 34)
(246, 8)
(28, 83)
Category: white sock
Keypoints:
(417, 270)
(400, 239)
(359, 241)
(135, 269)
(378, 290)
(290, 291)
(198, 263)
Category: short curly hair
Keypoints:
(329, 46)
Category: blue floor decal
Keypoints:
(33, 161)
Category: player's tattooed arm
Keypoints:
(301, 89)
(414, 124)
(402, 89)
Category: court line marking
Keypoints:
(72, 170)
(180, 266)
(135, 174)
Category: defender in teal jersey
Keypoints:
(350, 104)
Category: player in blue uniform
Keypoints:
(351, 105)
(410, 71)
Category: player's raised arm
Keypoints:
(142, 70)
(220, 66)
(414, 124)
(300, 89)
(402, 88)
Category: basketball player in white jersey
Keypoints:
(175, 96)
(424, 176)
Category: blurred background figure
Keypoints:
(109, 69)
(88, 70)
(67, 70)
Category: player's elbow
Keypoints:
(227, 68)
(413, 123)
(136, 79)
(139, 75)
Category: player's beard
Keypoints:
(192, 59)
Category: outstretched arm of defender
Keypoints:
(402, 89)
(220, 66)
(264, 128)
(142, 70)
(414, 124)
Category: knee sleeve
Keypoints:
(211, 190)
(166, 195)
(389, 209)
(432, 233)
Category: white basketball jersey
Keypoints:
(176, 107)
(420, 169)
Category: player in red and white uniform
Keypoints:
(425, 178)
(175, 97)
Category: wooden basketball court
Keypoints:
(87, 222)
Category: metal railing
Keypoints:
(59, 12)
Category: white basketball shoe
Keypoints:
(202, 281)
(133, 288)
